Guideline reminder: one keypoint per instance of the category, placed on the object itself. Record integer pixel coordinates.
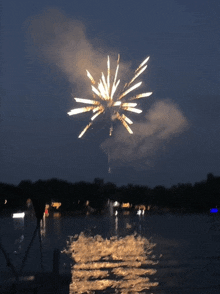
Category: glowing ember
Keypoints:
(104, 97)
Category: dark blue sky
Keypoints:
(46, 47)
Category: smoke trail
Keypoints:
(163, 121)
(62, 41)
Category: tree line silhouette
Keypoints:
(198, 197)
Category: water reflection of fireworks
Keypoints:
(120, 265)
(104, 99)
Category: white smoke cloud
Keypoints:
(62, 41)
(163, 121)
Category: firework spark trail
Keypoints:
(85, 129)
(141, 95)
(105, 99)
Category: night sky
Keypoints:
(46, 47)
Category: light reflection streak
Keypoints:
(43, 226)
(123, 265)
(116, 223)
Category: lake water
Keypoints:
(147, 254)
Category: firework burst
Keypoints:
(103, 98)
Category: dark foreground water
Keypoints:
(127, 254)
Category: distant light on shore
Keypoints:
(213, 210)
(18, 215)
